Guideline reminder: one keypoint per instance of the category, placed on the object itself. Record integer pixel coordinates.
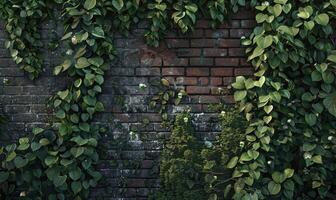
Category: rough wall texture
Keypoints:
(200, 62)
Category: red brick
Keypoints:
(202, 24)
(227, 62)
(238, 33)
(177, 43)
(211, 52)
(218, 33)
(237, 52)
(203, 42)
(230, 24)
(188, 52)
(203, 81)
(209, 99)
(150, 60)
(229, 43)
(216, 81)
(219, 91)
(172, 71)
(228, 80)
(186, 80)
(198, 90)
(175, 61)
(137, 183)
(201, 61)
(222, 71)
(197, 71)
(197, 33)
(243, 71)
(243, 62)
(148, 71)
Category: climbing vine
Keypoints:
(289, 103)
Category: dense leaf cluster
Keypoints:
(289, 103)
(190, 169)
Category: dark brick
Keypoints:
(197, 71)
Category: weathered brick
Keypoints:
(238, 33)
(227, 62)
(202, 61)
(214, 52)
(203, 81)
(190, 52)
(198, 90)
(177, 43)
(197, 71)
(173, 71)
(243, 71)
(203, 42)
(222, 71)
(218, 33)
(229, 43)
(237, 52)
(216, 81)
(148, 71)
(186, 80)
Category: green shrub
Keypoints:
(190, 169)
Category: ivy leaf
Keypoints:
(20, 162)
(77, 151)
(118, 4)
(322, 19)
(332, 58)
(317, 159)
(82, 63)
(76, 187)
(98, 32)
(232, 163)
(59, 180)
(289, 172)
(273, 188)
(3, 176)
(89, 4)
(278, 177)
(330, 103)
(240, 95)
(310, 119)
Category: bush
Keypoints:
(190, 169)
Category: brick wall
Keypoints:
(200, 62)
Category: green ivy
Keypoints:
(289, 103)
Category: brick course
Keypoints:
(201, 62)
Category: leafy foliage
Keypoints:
(190, 169)
(289, 104)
